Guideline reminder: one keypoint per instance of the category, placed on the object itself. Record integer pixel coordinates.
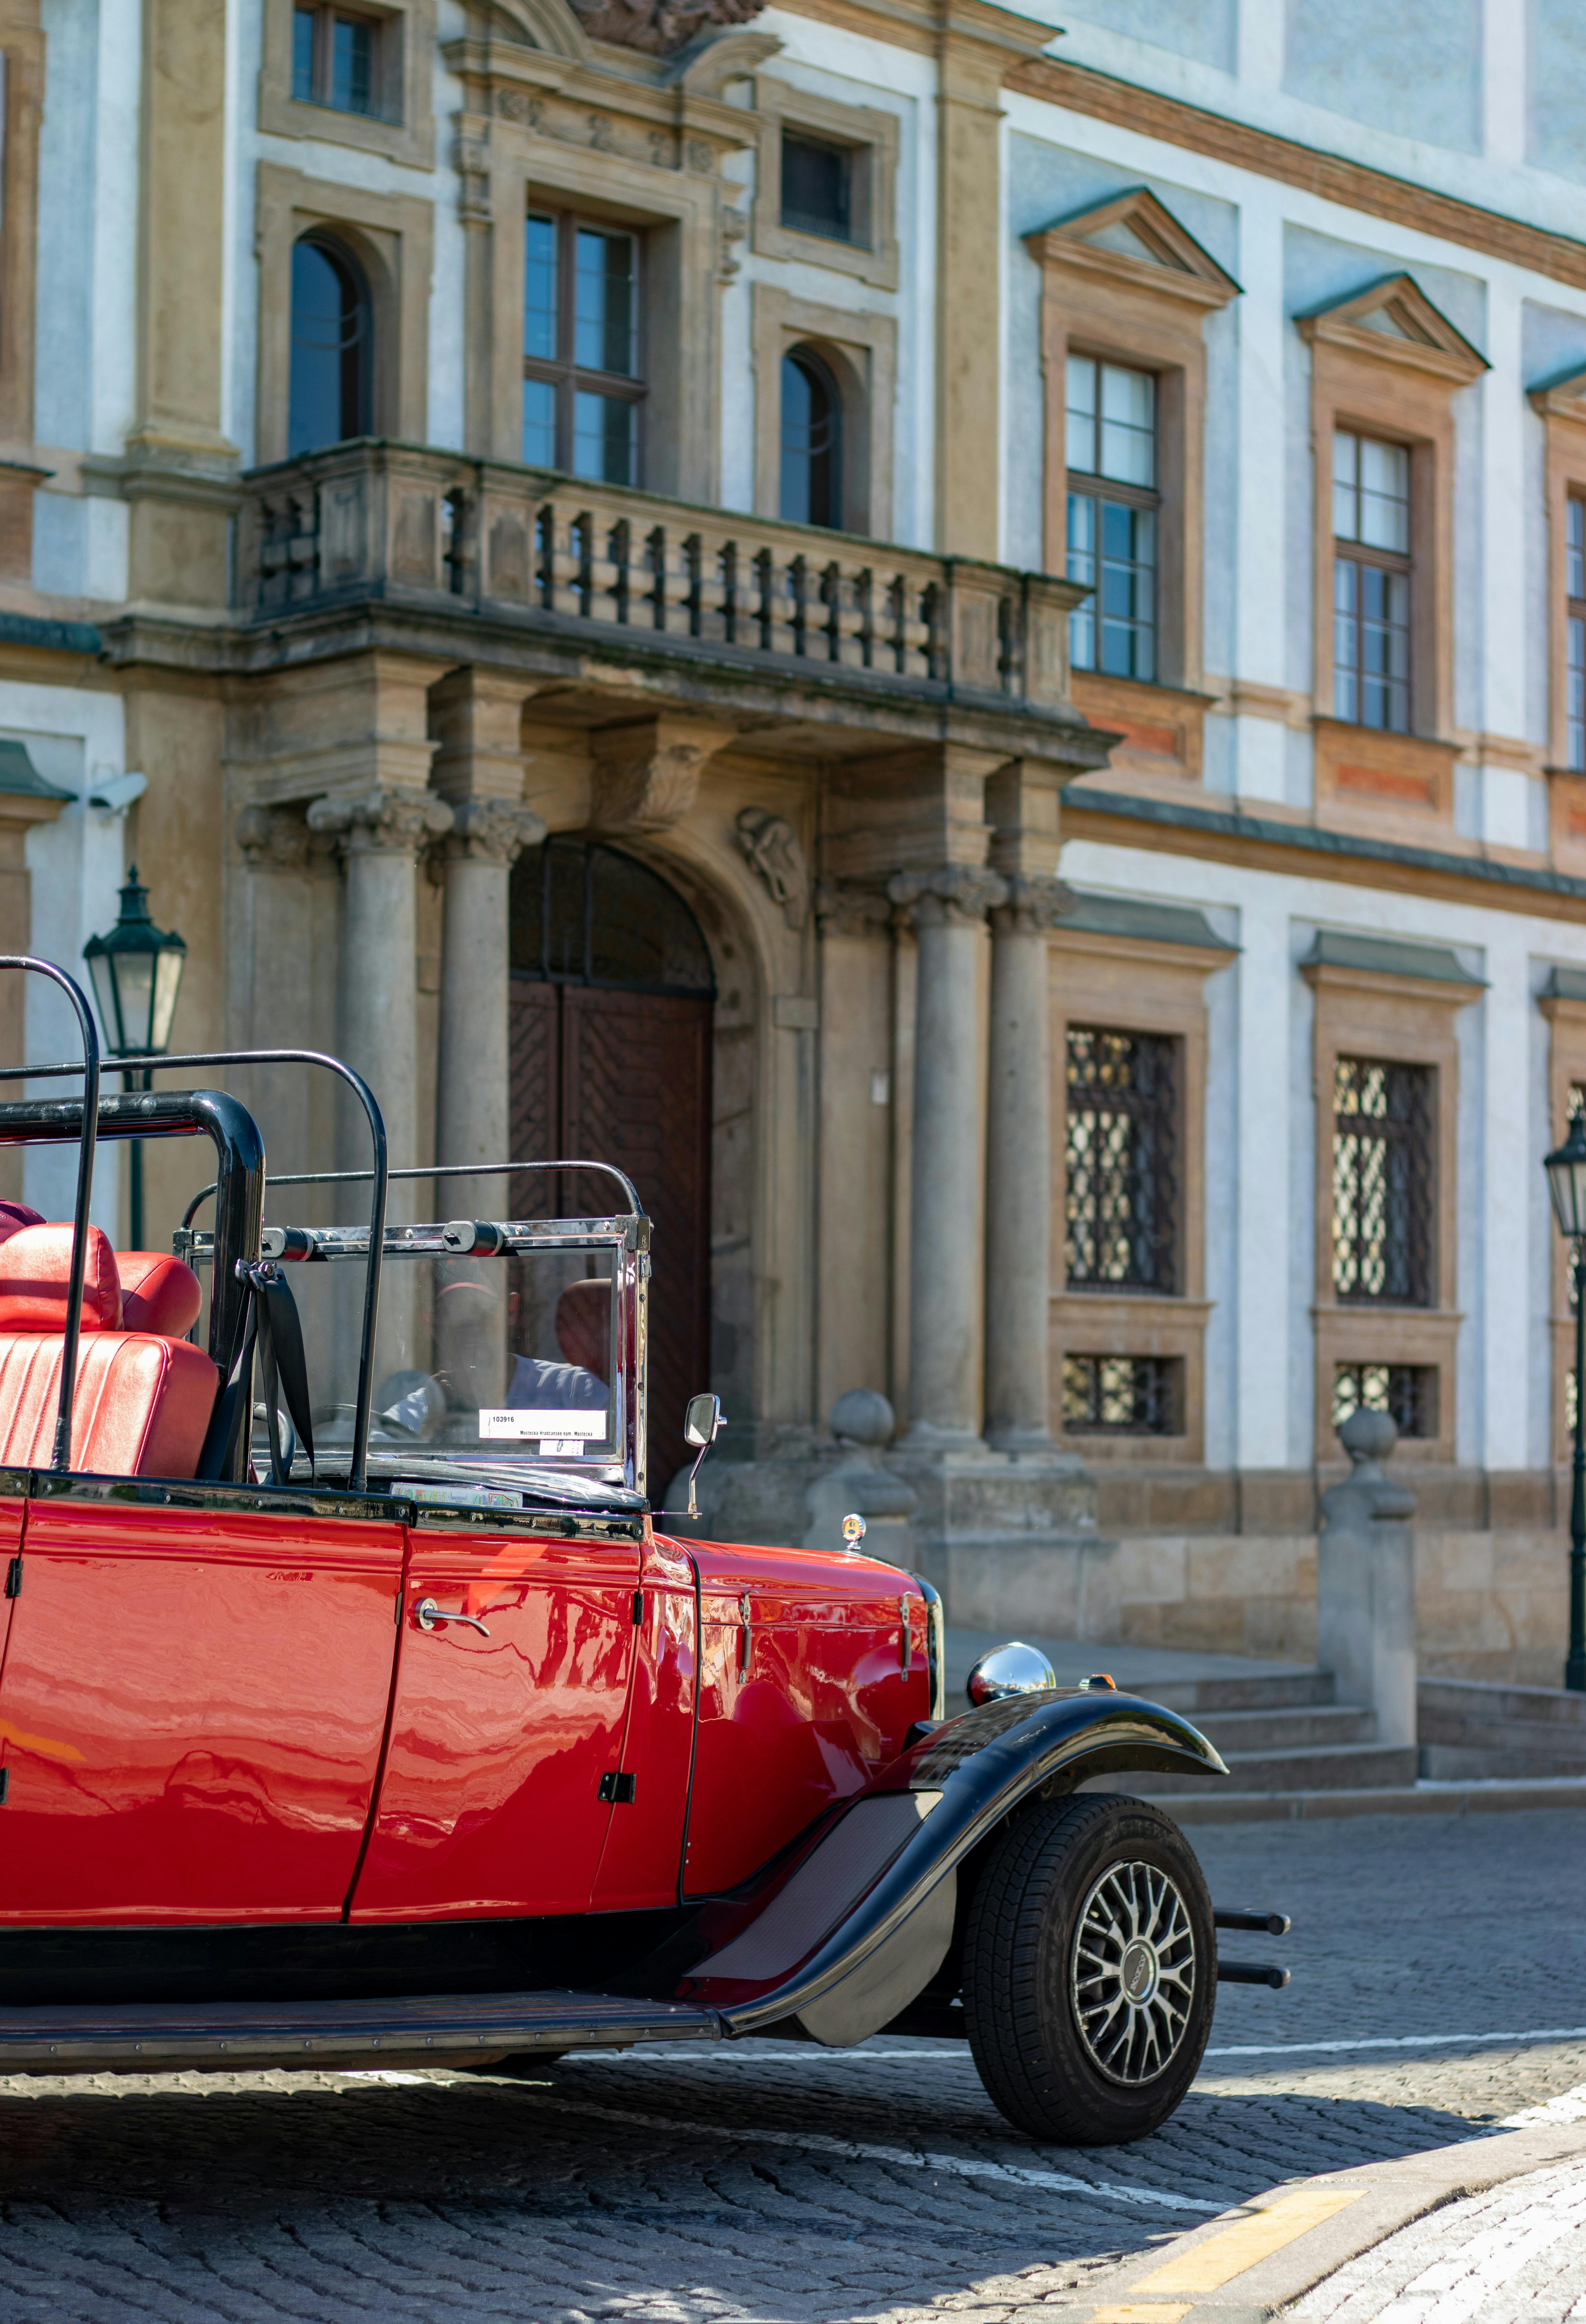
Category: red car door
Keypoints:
(504, 1725)
(644, 1844)
(192, 1703)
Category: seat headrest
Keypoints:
(35, 1269)
(158, 1293)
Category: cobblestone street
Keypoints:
(773, 2182)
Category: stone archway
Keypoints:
(612, 999)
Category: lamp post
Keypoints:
(1566, 1183)
(136, 971)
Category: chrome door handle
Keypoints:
(427, 1614)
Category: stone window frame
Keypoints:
(405, 132)
(873, 136)
(1408, 1020)
(393, 237)
(1560, 405)
(1147, 311)
(1136, 985)
(1386, 362)
(860, 352)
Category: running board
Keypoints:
(448, 2029)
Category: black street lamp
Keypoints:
(1566, 1183)
(136, 971)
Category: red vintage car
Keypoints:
(355, 1710)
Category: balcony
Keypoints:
(440, 538)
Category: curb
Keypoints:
(1493, 1798)
(1255, 2261)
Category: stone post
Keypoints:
(1018, 1172)
(947, 1249)
(379, 834)
(1366, 1583)
(863, 1425)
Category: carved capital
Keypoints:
(959, 895)
(272, 839)
(843, 908)
(490, 831)
(646, 776)
(1035, 902)
(771, 845)
(385, 821)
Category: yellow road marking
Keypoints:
(1133, 2312)
(1205, 2267)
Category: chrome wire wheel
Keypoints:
(1133, 1973)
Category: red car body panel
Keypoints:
(644, 1841)
(490, 1799)
(823, 1703)
(192, 1704)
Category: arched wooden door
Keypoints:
(611, 996)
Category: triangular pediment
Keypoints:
(1136, 236)
(1394, 318)
(548, 25)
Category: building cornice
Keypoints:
(1077, 89)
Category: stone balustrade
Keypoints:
(436, 529)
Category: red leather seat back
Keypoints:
(158, 1293)
(142, 1397)
(140, 1409)
(35, 1273)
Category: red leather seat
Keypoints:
(142, 1397)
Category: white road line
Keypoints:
(1570, 2106)
(853, 2150)
(1399, 2041)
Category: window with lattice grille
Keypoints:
(1407, 1393)
(1382, 1183)
(1122, 1395)
(1122, 1161)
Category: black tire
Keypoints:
(1065, 2051)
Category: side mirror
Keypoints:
(701, 1421)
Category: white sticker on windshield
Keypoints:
(508, 1420)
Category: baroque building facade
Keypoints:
(963, 645)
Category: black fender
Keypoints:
(862, 1922)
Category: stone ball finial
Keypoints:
(863, 1417)
(1368, 1435)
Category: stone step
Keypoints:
(1316, 1767)
(1245, 1731)
(1230, 1806)
(1470, 1728)
(1287, 1690)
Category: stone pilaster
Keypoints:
(1019, 1171)
(945, 1276)
(473, 1110)
(275, 991)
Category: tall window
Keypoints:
(329, 398)
(582, 389)
(337, 60)
(1382, 1183)
(811, 442)
(1122, 1201)
(1370, 582)
(1575, 630)
(1112, 504)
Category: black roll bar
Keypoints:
(89, 1070)
(122, 1116)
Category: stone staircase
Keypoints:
(1281, 1733)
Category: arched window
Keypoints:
(332, 346)
(812, 441)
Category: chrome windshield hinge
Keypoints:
(905, 1643)
(746, 1635)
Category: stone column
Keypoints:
(946, 1278)
(275, 999)
(473, 1102)
(379, 834)
(1018, 1172)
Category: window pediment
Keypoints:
(1135, 239)
(1561, 397)
(1393, 321)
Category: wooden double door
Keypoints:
(625, 1077)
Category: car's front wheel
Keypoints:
(1089, 1970)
